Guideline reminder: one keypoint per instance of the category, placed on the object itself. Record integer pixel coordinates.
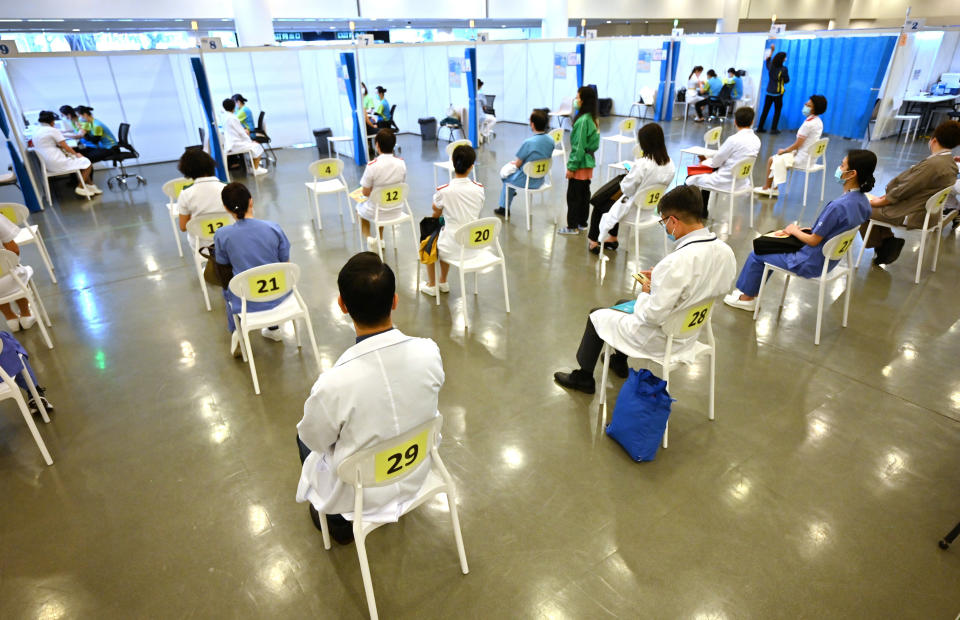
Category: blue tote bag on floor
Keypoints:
(640, 415)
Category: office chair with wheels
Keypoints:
(392, 121)
(121, 152)
(260, 136)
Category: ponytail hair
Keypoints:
(863, 162)
(236, 199)
(463, 157)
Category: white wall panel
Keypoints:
(416, 101)
(622, 77)
(566, 87)
(102, 96)
(240, 78)
(45, 83)
(539, 83)
(281, 96)
(513, 103)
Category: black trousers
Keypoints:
(578, 202)
(598, 213)
(698, 106)
(777, 102)
(332, 520)
(591, 346)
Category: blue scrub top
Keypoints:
(736, 90)
(851, 209)
(250, 243)
(246, 119)
(539, 146)
(107, 139)
(383, 109)
(715, 85)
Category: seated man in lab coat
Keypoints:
(700, 266)
(384, 385)
(739, 146)
(236, 139)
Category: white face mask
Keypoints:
(807, 110)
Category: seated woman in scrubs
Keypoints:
(98, 142)
(246, 244)
(850, 210)
(244, 114)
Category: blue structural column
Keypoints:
(663, 109)
(203, 90)
(23, 178)
(348, 60)
(582, 51)
(470, 54)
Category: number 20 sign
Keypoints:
(481, 234)
(399, 459)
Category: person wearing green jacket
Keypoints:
(584, 142)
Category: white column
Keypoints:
(730, 22)
(555, 21)
(254, 23)
(842, 18)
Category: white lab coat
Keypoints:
(700, 266)
(236, 138)
(380, 387)
(739, 146)
(46, 141)
(643, 173)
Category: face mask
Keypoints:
(669, 234)
(838, 175)
(807, 110)
(576, 105)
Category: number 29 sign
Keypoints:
(399, 459)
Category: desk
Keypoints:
(690, 150)
(927, 103)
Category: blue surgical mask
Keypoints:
(807, 110)
(838, 175)
(669, 234)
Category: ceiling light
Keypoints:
(11, 20)
(44, 20)
(609, 22)
(76, 30)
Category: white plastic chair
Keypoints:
(10, 389)
(482, 238)
(267, 283)
(393, 200)
(172, 189)
(27, 290)
(559, 149)
(47, 176)
(817, 154)
(537, 169)
(620, 166)
(686, 322)
(648, 98)
(387, 463)
(327, 179)
(834, 249)
(911, 121)
(19, 215)
(201, 229)
(642, 215)
(565, 111)
(934, 208)
(626, 134)
(711, 137)
(741, 170)
(447, 164)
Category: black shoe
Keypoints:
(611, 245)
(500, 211)
(618, 364)
(595, 249)
(35, 410)
(341, 530)
(576, 380)
(774, 132)
(896, 246)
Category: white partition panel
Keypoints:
(622, 77)
(416, 100)
(750, 58)
(102, 95)
(435, 73)
(564, 87)
(281, 96)
(326, 105)
(490, 70)
(218, 77)
(46, 83)
(188, 102)
(240, 79)
(540, 76)
(513, 103)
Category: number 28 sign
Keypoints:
(399, 459)
(696, 317)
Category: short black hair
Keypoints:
(236, 198)
(947, 134)
(68, 111)
(386, 140)
(711, 73)
(463, 157)
(381, 89)
(732, 70)
(863, 162)
(819, 104)
(367, 286)
(229, 105)
(84, 109)
(744, 116)
(46, 116)
(683, 202)
(540, 120)
(195, 163)
(239, 98)
(479, 83)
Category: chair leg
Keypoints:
(34, 298)
(49, 264)
(457, 535)
(526, 201)
(28, 418)
(316, 210)
(666, 378)
(476, 282)
(324, 530)
(751, 210)
(806, 179)
(866, 236)
(936, 252)
(713, 381)
(605, 354)
(846, 296)
(463, 296)
(176, 234)
(365, 573)
(296, 334)
(253, 366)
(203, 284)
(923, 242)
(730, 219)
(436, 280)
(783, 296)
(823, 180)
(506, 289)
(823, 290)
(763, 285)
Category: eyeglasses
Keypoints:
(663, 222)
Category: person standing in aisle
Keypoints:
(777, 79)
(584, 142)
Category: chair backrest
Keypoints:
(648, 95)
(327, 168)
(648, 196)
(266, 282)
(566, 105)
(450, 147)
(743, 169)
(637, 151)
(689, 320)
(16, 213)
(173, 187)
(123, 135)
(392, 196)
(712, 136)
(557, 135)
(489, 99)
(537, 169)
(479, 233)
(390, 461)
(818, 149)
(205, 226)
(8, 264)
(261, 128)
(935, 203)
(835, 248)
(628, 125)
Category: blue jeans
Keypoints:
(10, 359)
(518, 179)
(749, 280)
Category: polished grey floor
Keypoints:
(819, 491)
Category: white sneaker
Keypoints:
(426, 289)
(13, 325)
(766, 192)
(372, 244)
(86, 193)
(235, 344)
(259, 170)
(272, 334)
(93, 188)
(26, 322)
(733, 300)
(444, 287)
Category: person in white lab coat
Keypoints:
(237, 140)
(384, 385)
(798, 154)
(57, 155)
(384, 170)
(739, 146)
(701, 266)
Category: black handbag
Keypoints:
(608, 193)
(214, 273)
(775, 243)
(430, 225)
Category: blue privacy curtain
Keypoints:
(663, 110)
(847, 71)
(470, 55)
(203, 90)
(582, 50)
(348, 61)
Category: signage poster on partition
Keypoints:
(659, 55)
(643, 61)
(573, 59)
(560, 66)
(455, 69)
